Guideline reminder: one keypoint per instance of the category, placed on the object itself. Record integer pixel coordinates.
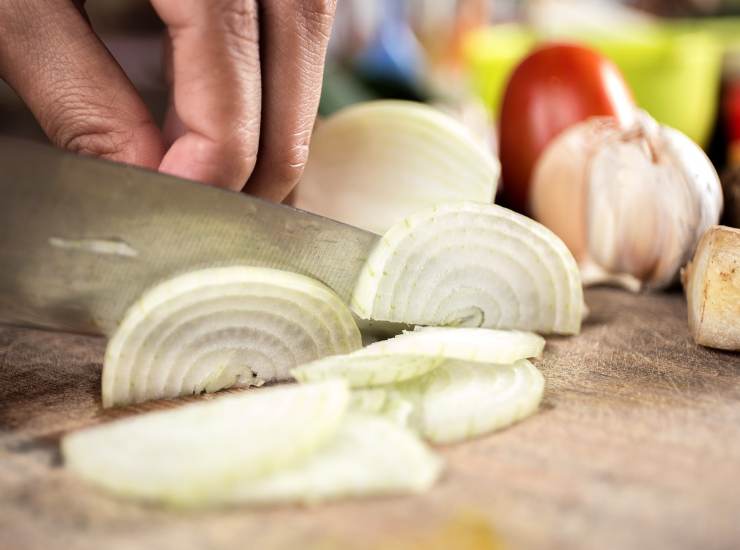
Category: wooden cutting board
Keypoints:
(637, 445)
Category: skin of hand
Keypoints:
(245, 81)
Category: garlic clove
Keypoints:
(632, 202)
(558, 192)
(701, 178)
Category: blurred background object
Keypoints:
(681, 58)
(673, 70)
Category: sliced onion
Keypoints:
(361, 370)
(190, 455)
(382, 402)
(472, 264)
(468, 344)
(373, 164)
(460, 400)
(223, 327)
(370, 456)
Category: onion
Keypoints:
(417, 352)
(369, 456)
(460, 399)
(223, 327)
(471, 264)
(373, 164)
(361, 370)
(193, 454)
(630, 202)
(382, 402)
(468, 344)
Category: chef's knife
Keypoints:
(81, 238)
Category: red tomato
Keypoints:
(732, 110)
(555, 87)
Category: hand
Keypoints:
(245, 75)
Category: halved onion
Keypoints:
(223, 327)
(469, 344)
(472, 264)
(375, 163)
(192, 454)
(460, 400)
(369, 456)
(362, 370)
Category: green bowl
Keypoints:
(491, 54)
(674, 72)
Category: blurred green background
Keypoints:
(673, 68)
(680, 57)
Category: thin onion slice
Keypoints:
(369, 456)
(190, 455)
(468, 344)
(461, 400)
(223, 327)
(375, 163)
(474, 265)
(382, 402)
(363, 370)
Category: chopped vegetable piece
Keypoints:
(382, 402)
(472, 264)
(712, 283)
(363, 370)
(460, 400)
(469, 344)
(373, 164)
(223, 327)
(370, 456)
(190, 455)
(370, 400)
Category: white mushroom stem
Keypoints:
(712, 284)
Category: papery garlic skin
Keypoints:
(702, 179)
(630, 201)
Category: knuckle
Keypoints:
(315, 19)
(319, 10)
(88, 141)
(289, 167)
(238, 26)
(239, 19)
(243, 151)
(77, 125)
(318, 16)
(74, 128)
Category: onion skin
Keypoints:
(555, 87)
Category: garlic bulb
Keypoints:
(631, 203)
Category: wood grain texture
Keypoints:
(637, 445)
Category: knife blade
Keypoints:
(82, 238)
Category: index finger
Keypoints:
(217, 93)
